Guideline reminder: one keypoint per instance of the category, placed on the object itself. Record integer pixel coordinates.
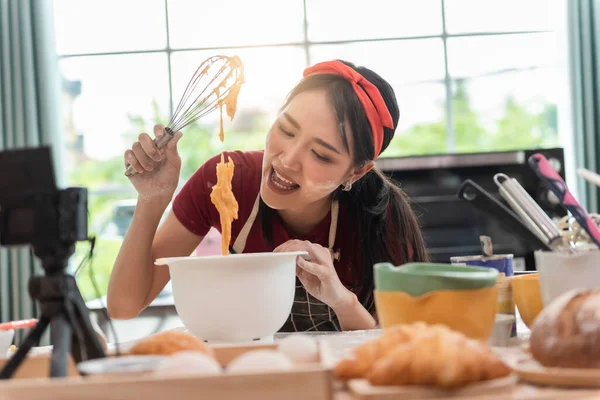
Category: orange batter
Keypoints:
(222, 196)
(224, 200)
(230, 100)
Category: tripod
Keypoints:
(64, 310)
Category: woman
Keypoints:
(313, 188)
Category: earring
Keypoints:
(347, 186)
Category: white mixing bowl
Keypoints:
(234, 298)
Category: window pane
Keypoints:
(422, 126)
(113, 90)
(463, 16)
(398, 62)
(107, 101)
(472, 56)
(507, 111)
(109, 26)
(200, 24)
(352, 19)
(270, 74)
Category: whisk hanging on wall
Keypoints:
(216, 82)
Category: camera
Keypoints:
(33, 211)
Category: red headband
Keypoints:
(368, 94)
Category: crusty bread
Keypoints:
(567, 332)
(170, 342)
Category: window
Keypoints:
(342, 20)
(469, 76)
(204, 24)
(505, 101)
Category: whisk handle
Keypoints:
(159, 142)
(164, 139)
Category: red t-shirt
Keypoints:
(195, 211)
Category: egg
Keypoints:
(299, 349)
(260, 361)
(190, 362)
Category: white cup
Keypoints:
(6, 339)
(561, 272)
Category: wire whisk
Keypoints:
(573, 232)
(216, 82)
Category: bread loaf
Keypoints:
(567, 332)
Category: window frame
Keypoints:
(445, 36)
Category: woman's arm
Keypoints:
(352, 315)
(135, 281)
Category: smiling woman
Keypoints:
(314, 188)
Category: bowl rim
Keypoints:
(165, 260)
(460, 272)
(121, 365)
(453, 274)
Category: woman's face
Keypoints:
(305, 159)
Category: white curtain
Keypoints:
(584, 58)
(29, 117)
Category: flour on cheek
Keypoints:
(313, 187)
(314, 190)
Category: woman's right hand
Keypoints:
(157, 170)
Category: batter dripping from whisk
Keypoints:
(230, 100)
(224, 200)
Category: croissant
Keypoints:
(362, 357)
(433, 356)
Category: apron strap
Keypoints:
(335, 211)
(240, 242)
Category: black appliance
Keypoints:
(451, 226)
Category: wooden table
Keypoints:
(518, 391)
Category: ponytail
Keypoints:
(388, 229)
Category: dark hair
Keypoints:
(387, 226)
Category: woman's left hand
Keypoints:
(318, 275)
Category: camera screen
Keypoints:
(20, 222)
(25, 172)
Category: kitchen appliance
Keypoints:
(451, 226)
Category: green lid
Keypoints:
(417, 279)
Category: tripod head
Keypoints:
(33, 211)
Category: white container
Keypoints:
(6, 339)
(561, 272)
(234, 298)
(503, 330)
